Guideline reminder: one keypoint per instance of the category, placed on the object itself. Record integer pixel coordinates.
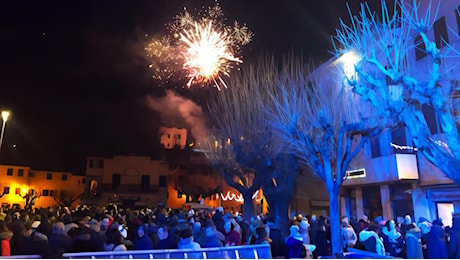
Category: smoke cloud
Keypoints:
(180, 112)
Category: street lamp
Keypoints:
(5, 115)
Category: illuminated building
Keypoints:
(389, 177)
(18, 182)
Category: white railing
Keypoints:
(21, 257)
(231, 252)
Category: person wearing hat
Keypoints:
(294, 243)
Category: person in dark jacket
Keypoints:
(211, 237)
(165, 240)
(294, 243)
(371, 241)
(322, 246)
(97, 236)
(392, 239)
(142, 242)
(313, 229)
(413, 242)
(454, 245)
(58, 241)
(218, 219)
(278, 244)
(435, 243)
(18, 242)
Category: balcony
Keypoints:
(390, 168)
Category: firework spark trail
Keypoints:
(203, 50)
(207, 55)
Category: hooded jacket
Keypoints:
(414, 242)
(372, 242)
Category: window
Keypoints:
(375, 147)
(17, 191)
(31, 174)
(169, 136)
(9, 172)
(45, 193)
(91, 163)
(420, 50)
(177, 137)
(440, 32)
(64, 177)
(21, 172)
(162, 181)
(116, 180)
(51, 192)
(6, 190)
(145, 182)
(31, 192)
(49, 176)
(101, 163)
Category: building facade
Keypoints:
(46, 188)
(126, 180)
(389, 177)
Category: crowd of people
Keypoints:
(404, 237)
(53, 232)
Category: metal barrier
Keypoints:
(21, 257)
(356, 253)
(231, 252)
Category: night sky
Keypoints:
(75, 76)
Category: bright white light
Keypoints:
(5, 115)
(349, 60)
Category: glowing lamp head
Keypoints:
(5, 115)
(349, 60)
(24, 190)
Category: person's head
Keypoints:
(407, 220)
(373, 227)
(186, 234)
(255, 223)
(390, 224)
(58, 228)
(162, 232)
(261, 234)
(140, 231)
(313, 217)
(228, 227)
(345, 222)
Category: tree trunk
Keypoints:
(280, 207)
(248, 205)
(336, 239)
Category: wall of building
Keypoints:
(22, 180)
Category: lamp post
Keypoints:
(5, 115)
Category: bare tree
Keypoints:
(242, 143)
(30, 198)
(66, 199)
(196, 180)
(387, 76)
(321, 124)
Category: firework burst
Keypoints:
(207, 54)
(203, 50)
